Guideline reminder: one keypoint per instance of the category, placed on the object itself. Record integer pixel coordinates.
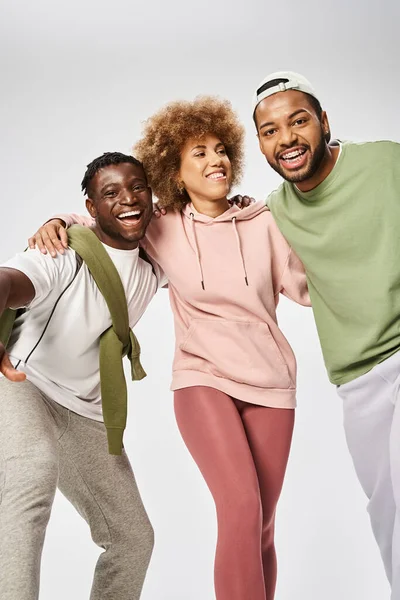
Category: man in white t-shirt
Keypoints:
(51, 426)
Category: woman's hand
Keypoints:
(52, 237)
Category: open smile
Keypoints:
(294, 158)
(217, 176)
(130, 218)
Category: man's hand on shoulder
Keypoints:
(241, 201)
(158, 211)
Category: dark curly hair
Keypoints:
(105, 160)
(168, 130)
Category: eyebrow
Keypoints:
(203, 146)
(136, 179)
(107, 185)
(293, 114)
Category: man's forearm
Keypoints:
(16, 289)
(74, 219)
(5, 288)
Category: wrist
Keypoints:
(56, 220)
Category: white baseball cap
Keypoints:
(281, 81)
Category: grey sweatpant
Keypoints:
(43, 445)
(372, 426)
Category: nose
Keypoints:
(216, 159)
(128, 197)
(287, 137)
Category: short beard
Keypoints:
(317, 159)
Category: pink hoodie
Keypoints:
(225, 275)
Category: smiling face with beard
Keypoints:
(293, 138)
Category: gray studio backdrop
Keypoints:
(77, 79)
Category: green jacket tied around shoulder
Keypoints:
(115, 343)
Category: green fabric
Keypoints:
(347, 234)
(6, 324)
(116, 342)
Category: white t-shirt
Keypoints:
(56, 340)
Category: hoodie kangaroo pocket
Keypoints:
(241, 351)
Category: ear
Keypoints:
(325, 125)
(179, 183)
(91, 208)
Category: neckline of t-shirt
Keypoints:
(120, 251)
(327, 182)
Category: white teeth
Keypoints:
(132, 213)
(294, 154)
(216, 176)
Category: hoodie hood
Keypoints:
(240, 214)
(232, 215)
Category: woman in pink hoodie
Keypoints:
(234, 373)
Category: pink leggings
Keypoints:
(242, 451)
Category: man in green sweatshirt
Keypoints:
(51, 411)
(339, 208)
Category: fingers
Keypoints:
(241, 201)
(32, 242)
(57, 242)
(236, 200)
(158, 211)
(8, 370)
(39, 242)
(47, 243)
(53, 238)
(247, 200)
(62, 232)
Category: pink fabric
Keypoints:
(241, 450)
(225, 276)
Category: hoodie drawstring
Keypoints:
(196, 246)
(197, 250)
(240, 249)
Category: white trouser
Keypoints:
(372, 428)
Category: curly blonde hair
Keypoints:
(168, 130)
